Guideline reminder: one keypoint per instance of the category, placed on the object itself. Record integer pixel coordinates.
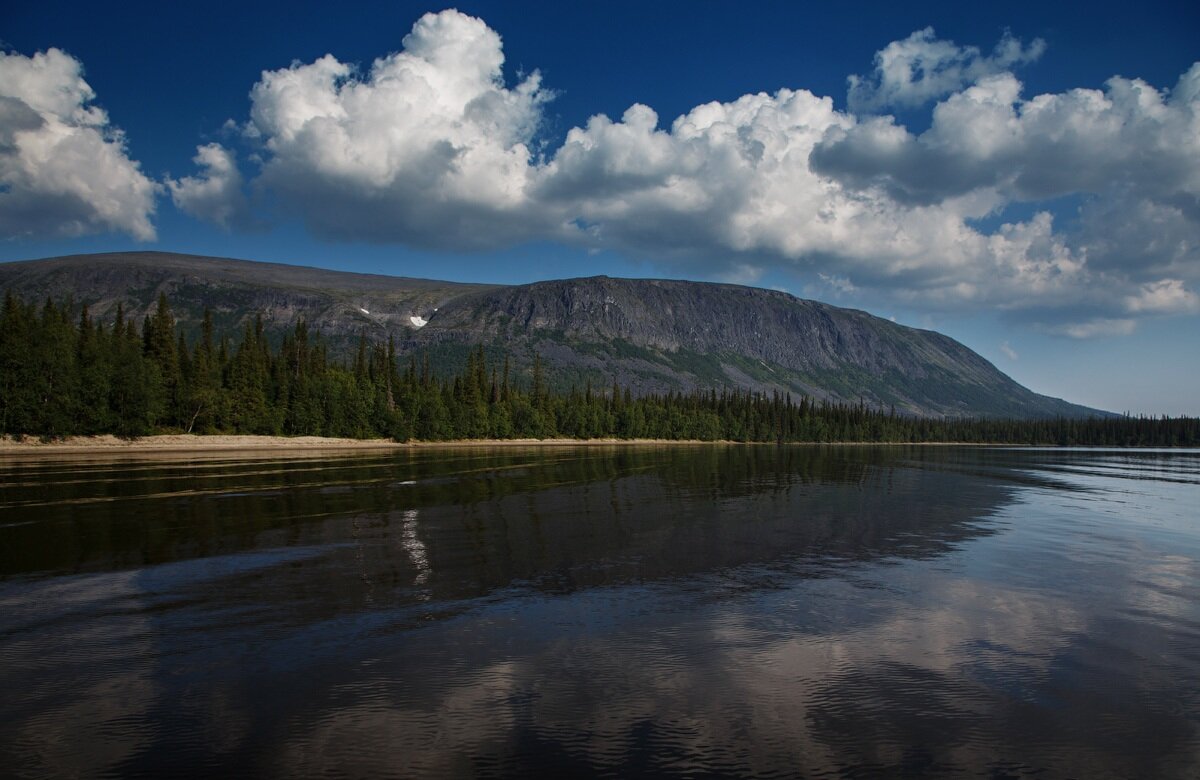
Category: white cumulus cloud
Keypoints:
(1131, 151)
(1167, 296)
(725, 177)
(987, 137)
(216, 194)
(64, 169)
(428, 147)
(922, 67)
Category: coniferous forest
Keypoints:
(64, 373)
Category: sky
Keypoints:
(1024, 177)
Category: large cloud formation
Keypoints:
(431, 147)
(64, 170)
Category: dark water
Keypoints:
(674, 611)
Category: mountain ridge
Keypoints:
(651, 335)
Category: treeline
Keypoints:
(64, 373)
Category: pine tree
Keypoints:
(132, 394)
(162, 352)
(54, 376)
(201, 399)
(16, 387)
(94, 368)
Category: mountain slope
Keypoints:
(649, 335)
(335, 302)
(657, 333)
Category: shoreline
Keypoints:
(233, 443)
(230, 443)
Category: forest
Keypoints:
(64, 373)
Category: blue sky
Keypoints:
(1022, 177)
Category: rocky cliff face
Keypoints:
(659, 334)
(649, 335)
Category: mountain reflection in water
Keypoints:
(620, 611)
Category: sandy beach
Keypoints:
(183, 446)
(232, 444)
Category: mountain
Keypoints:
(650, 335)
(338, 303)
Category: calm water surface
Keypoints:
(665, 611)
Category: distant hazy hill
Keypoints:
(651, 335)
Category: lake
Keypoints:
(624, 611)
